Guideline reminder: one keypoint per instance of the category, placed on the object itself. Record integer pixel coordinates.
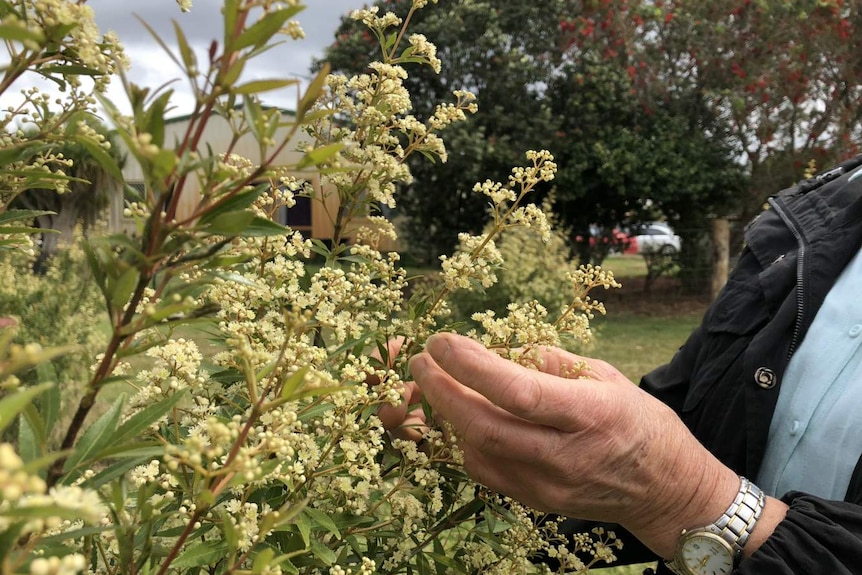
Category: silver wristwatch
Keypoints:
(716, 549)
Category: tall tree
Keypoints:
(783, 76)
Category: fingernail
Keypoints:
(417, 365)
(437, 346)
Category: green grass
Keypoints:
(635, 344)
(626, 266)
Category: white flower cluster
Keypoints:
(21, 490)
(524, 324)
(473, 263)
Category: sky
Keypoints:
(152, 68)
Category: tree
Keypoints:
(503, 52)
(623, 162)
(783, 77)
(87, 192)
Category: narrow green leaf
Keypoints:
(293, 382)
(231, 536)
(231, 223)
(319, 155)
(40, 511)
(260, 227)
(312, 93)
(114, 471)
(262, 31)
(186, 52)
(22, 215)
(262, 560)
(322, 520)
(206, 553)
(50, 402)
(144, 418)
(123, 287)
(97, 435)
(31, 434)
(101, 156)
(23, 230)
(258, 86)
(322, 552)
(20, 33)
(236, 202)
(16, 402)
(70, 70)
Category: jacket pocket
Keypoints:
(733, 319)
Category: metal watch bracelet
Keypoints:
(734, 526)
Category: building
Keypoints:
(307, 216)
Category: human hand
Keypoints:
(407, 419)
(594, 447)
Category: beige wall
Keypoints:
(218, 136)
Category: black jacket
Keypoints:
(725, 380)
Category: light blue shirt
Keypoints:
(815, 437)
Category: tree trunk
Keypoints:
(720, 255)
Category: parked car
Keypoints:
(653, 238)
(612, 240)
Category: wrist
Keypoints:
(696, 494)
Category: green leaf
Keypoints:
(97, 436)
(258, 86)
(22, 215)
(144, 418)
(262, 31)
(206, 553)
(322, 552)
(114, 471)
(260, 227)
(71, 70)
(20, 33)
(23, 230)
(304, 525)
(50, 402)
(236, 202)
(101, 156)
(293, 382)
(312, 93)
(231, 223)
(186, 52)
(40, 511)
(123, 287)
(31, 434)
(229, 530)
(322, 520)
(319, 155)
(262, 560)
(16, 402)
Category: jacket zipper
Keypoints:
(800, 271)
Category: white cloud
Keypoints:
(152, 68)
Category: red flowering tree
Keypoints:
(784, 76)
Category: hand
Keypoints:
(594, 447)
(406, 420)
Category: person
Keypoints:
(741, 455)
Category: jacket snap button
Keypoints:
(765, 377)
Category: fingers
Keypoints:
(480, 425)
(528, 394)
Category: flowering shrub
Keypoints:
(532, 279)
(267, 456)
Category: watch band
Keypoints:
(734, 526)
(737, 523)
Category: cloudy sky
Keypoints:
(150, 66)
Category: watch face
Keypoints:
(706, 554)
